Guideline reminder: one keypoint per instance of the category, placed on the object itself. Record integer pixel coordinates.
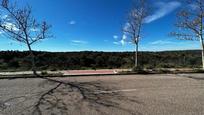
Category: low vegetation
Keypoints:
(20, 61)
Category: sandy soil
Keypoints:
(181, 94)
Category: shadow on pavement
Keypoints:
(68, 97)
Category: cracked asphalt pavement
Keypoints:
(167, 94)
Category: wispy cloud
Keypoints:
(116, 43)
(163, 10)
(115, 37)
(1, 32)
(122, 41)
(4, 16)
(167, 45)
(10, 26)
(72, 22)
(126, 27)
(78, 42)
(34, 29)
(161, 42)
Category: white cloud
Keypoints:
(34, 29)
(72, 22)
(116, 43)
(10, 26)
(124, 36)
(115, 37)
(170, 45)
(163, 10)
(4, 17)
(79, 42)
(122, 41)
(161, 42)
(1, 32)
(126, 27)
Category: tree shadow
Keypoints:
(66, 96)
(193, 77)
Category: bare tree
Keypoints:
(135, 22)
(19, 25)
(190, 23)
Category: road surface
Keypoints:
(181, 94)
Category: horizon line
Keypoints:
(102, 51)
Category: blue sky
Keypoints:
(96, 25)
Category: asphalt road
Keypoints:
(181, 94)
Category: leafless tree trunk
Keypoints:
(190, 23)
(19, 25)
(202, 44)
(135, 23)
(33, 60)
(136, 55)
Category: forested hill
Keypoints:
(15, 60)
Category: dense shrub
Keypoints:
(99, 60)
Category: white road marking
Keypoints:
(150, 88)
(116, 91)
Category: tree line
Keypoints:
(17, 60)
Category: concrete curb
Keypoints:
(28, 76)
(62, 76)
